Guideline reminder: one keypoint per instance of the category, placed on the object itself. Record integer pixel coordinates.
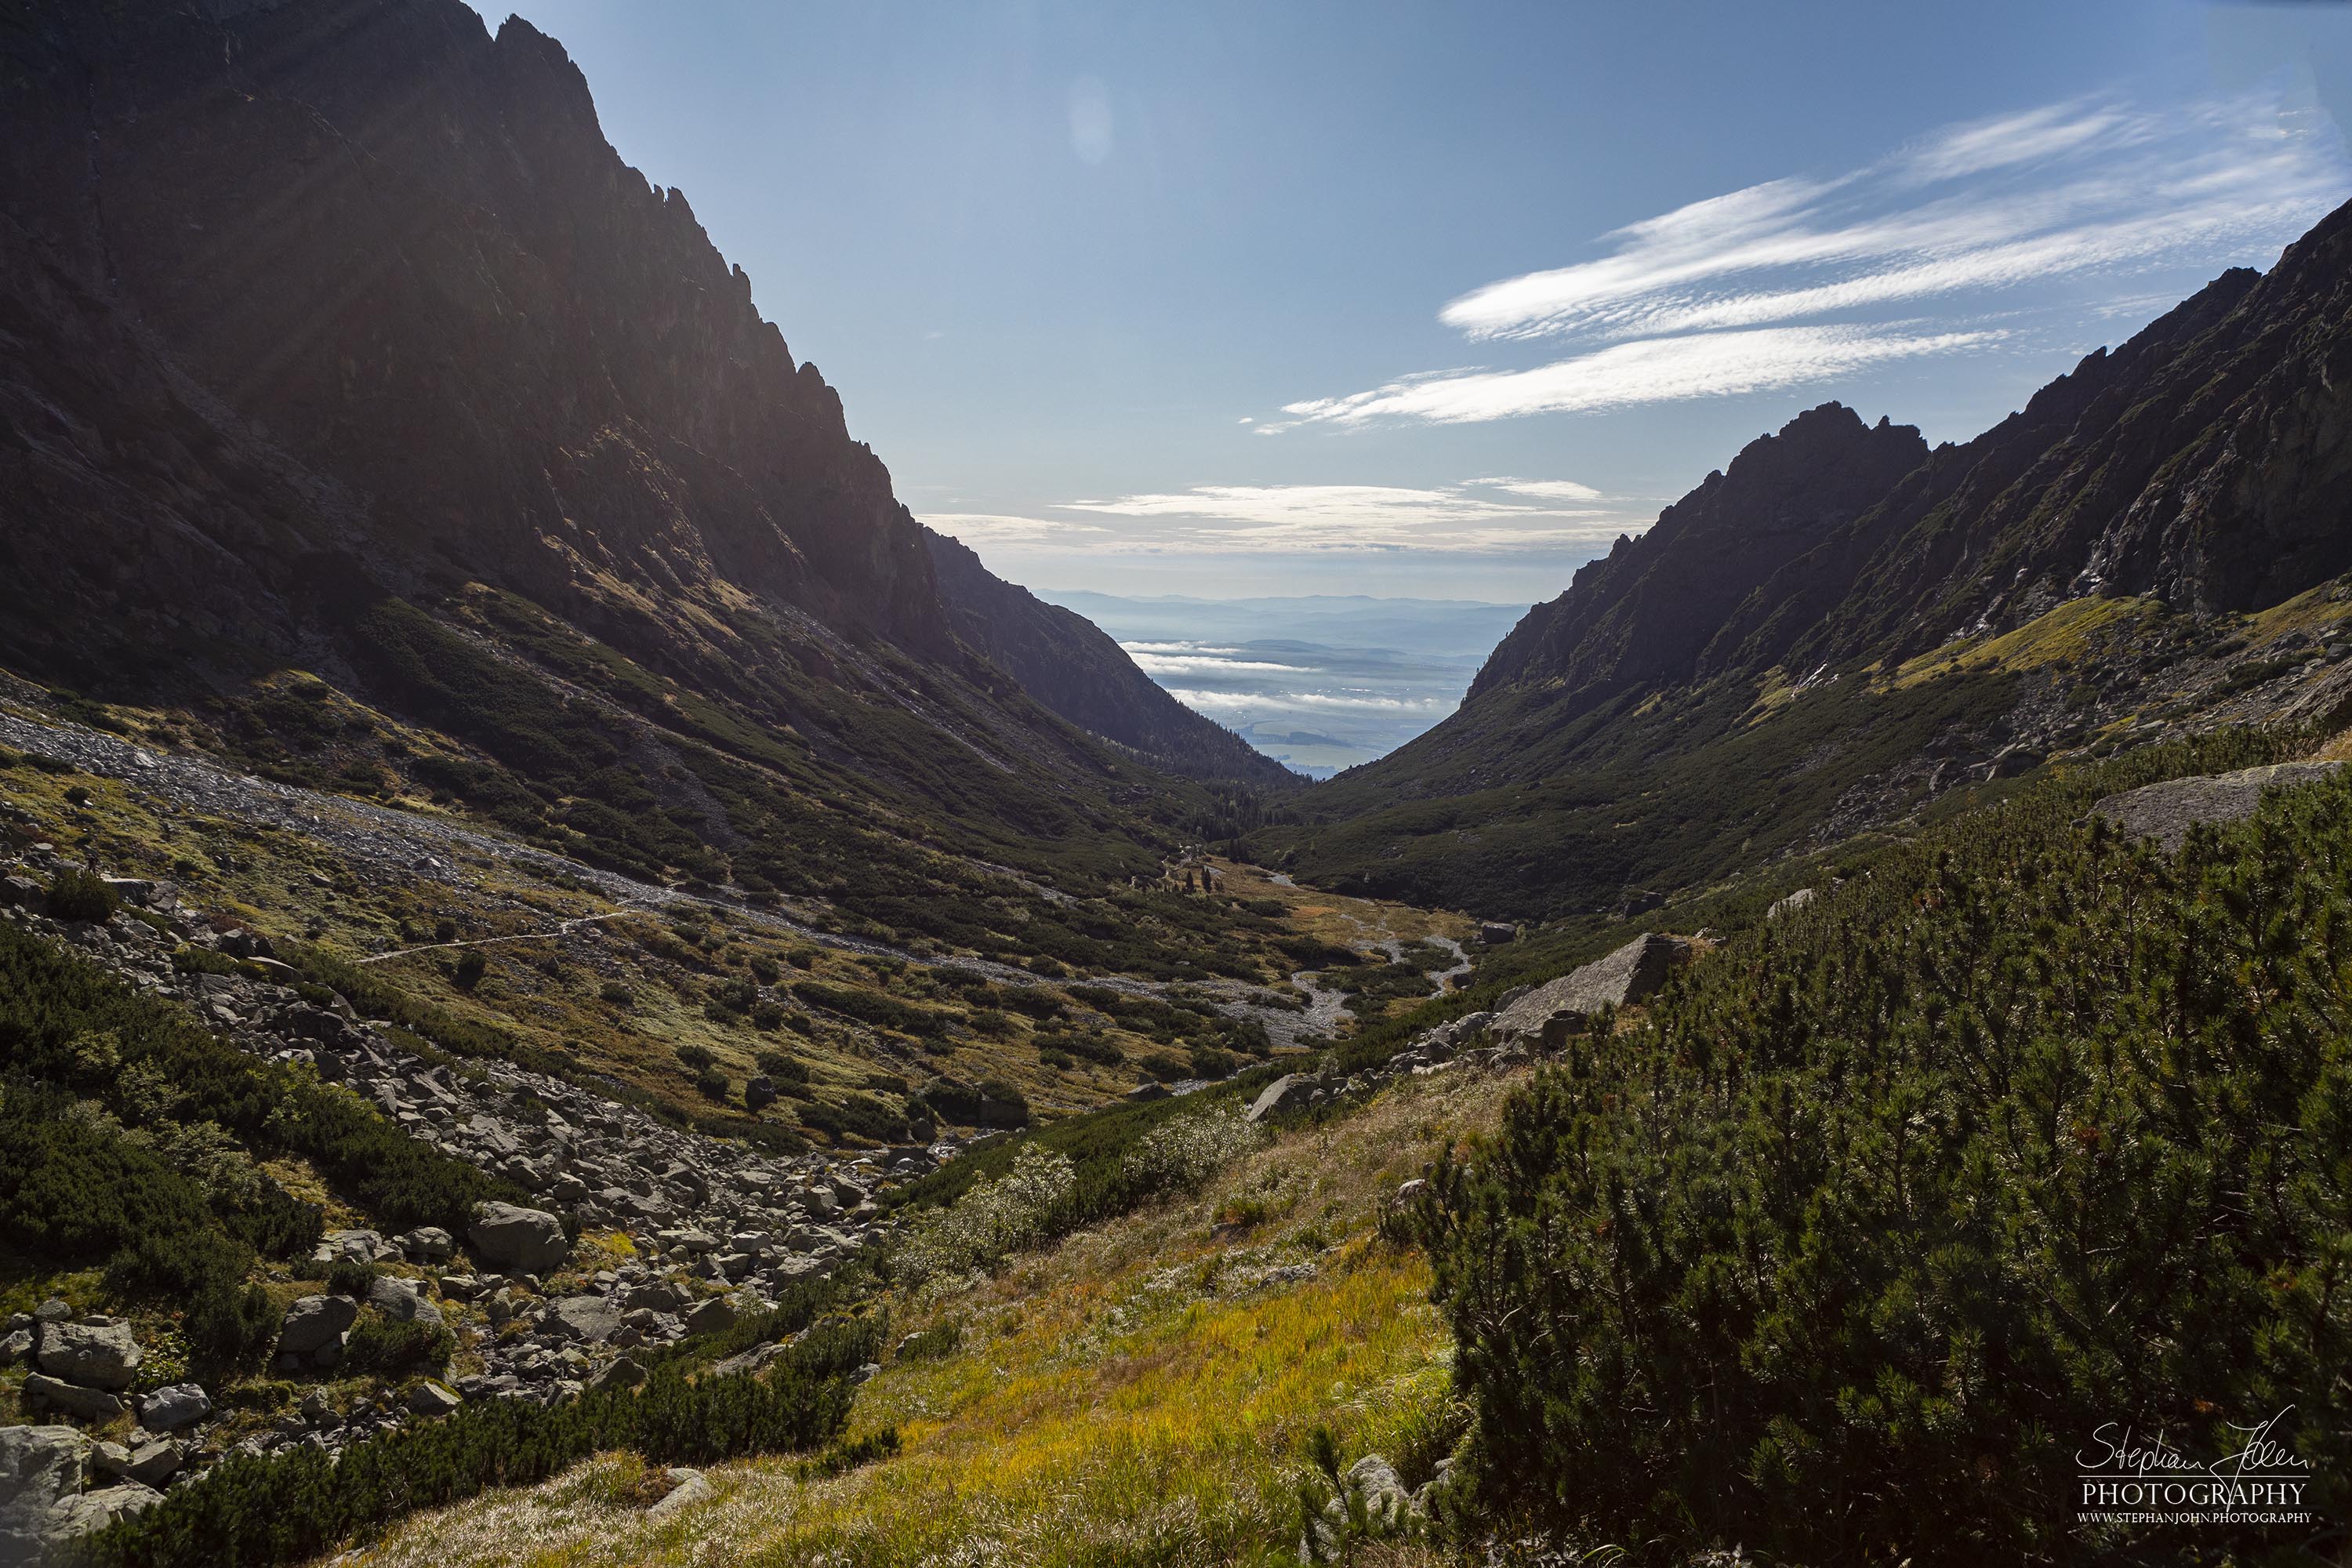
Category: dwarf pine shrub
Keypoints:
(1851, 1247)
(287, 1507)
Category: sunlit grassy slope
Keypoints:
(1136, 1395)
(573, 981)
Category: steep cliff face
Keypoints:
(334, 338)
(1654, 608)
(1076, 669)
(1729, 684)
(402, 249)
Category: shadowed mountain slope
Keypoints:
(334, 338)
(1079, 670)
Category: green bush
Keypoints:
(230, 1329)
(784, 1068)
(178, 1265)
(300, 1503)
(856, 1115)
(1165, 1066)
(54, 1003)
(393, 1349)
(870, 1007)
(1882, 1212)
(992, 1103)
(78, 895)
(349, 1277)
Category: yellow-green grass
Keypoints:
(2058, 637)
(1137, 1394)
(1333, 917)
(548, 994)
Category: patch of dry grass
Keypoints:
(1134, 1395)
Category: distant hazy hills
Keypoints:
(1323, 682)
(1070, 665)
(1734, 683)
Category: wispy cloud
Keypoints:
(1531, 514)
(1649, 370)
(977, 528)
(1337, 701)
(1492, 515)
(1805, 278)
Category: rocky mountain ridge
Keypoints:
(1843, 626)
(335, 338)
(1079, 672)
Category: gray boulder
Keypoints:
(402, 1300)
(1791, 904)
(1292, 1091)
(96, 1353)
(592, 1319)
(2165, 812)
(316, 1324)
(431, 1398)
(1552, 1012)
(40, 1467)
(624, 1373)
(711, 1317)
(693, 1487)
(752, 1360)
(94, 1511)
(1384, 1496)
(170, 1409)
(1386, 1506)
(520, 1240)
(429, 1244)
(153, 1463)
(43, 1391)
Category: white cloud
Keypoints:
(1529, 515)
(977, 528)
(1543, 490)
(2055, 191)
(1652, 370)
(1233, 700)
(1157, 663)
(1806, 277)
(2005, 141)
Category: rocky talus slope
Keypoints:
(715, 1230)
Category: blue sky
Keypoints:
(1436, 299)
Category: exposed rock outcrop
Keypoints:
(2165, 812)
(1563, 1006)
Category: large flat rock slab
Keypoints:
(1561, 1006)
(2166, 812)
